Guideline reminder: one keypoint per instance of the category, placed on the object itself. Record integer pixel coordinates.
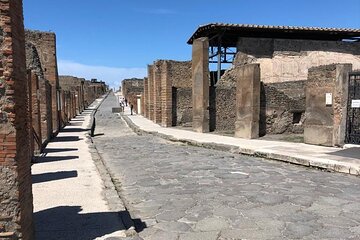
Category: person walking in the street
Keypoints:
(126, 102)
(131, 108)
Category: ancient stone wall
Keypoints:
(182, 97)
(74, 85)
(180, 73)
(132, 85)
(89, 93)
(289, 59)
(165, 79)
(16, 220)
(222, 109)
(45, 44)
(282, 107)
(325, 121)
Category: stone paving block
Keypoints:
(200, 236)
(211, 224)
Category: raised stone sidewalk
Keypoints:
(344, 160)
(74, 197)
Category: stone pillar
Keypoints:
(247, 101)
(166, 95)
(157, 91)
(146, 99)
(36, 115)
(16, 207)
(325, 122)
(151, 92)
(29, 114)
(200, 86)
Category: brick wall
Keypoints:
(166, 94)
(157, 90)
(45, 44)
(73, 84)
(151, 92)
(146, 98)
(15, 175)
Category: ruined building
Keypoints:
(251, 80)
(44, 45)
(168, 94)
(132, 90)
(264, 89)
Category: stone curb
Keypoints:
(319, 163)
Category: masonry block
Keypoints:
(248, 101)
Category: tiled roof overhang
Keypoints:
(231, 32)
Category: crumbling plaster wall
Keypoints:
(289, 59)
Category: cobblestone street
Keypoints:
(185, 192)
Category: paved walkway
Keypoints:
(330, 158)
(68, 191)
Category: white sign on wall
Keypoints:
(328, 98)
(355, 103)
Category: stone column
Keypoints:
(247, 101)
(157, 91)
(16, 206)
(200, 87)
(151, 92)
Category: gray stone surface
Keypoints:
(179, 188)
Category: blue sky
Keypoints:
(116, 39)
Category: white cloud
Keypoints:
(112, 76)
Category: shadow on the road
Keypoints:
(348, 153)
(46, 159)
(77, 123)
(51, 176)
(67, 222)
(66, 139)
(98, 134)
(54, 150)
(74, 129)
